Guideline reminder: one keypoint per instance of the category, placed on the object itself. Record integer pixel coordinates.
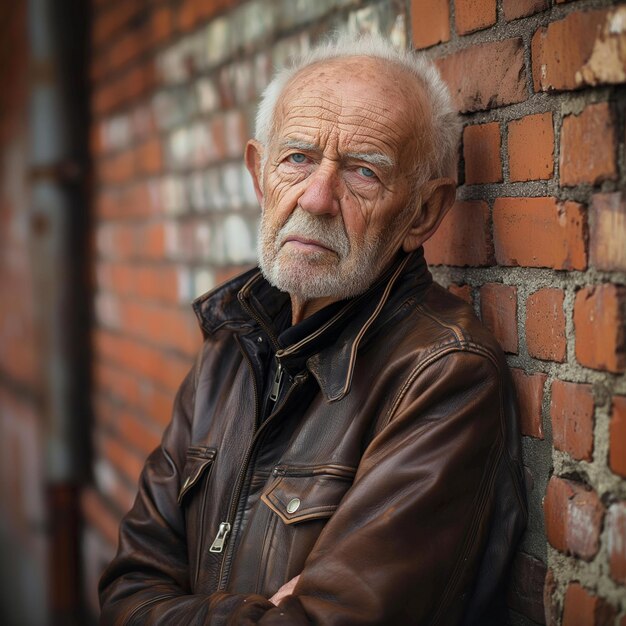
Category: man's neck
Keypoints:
(301, 309)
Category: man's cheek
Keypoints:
(282, 196)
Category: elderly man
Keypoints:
(344, 450)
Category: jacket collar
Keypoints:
(330, 352)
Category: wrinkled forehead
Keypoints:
(366, 98)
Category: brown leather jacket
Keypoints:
(388, 474)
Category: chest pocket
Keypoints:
(301, 493)
(197, 467)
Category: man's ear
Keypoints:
(436, 196)
(253, 158)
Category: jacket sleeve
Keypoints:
(403, 546)
(148, 580)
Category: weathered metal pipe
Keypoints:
(58, 225)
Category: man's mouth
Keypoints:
(306, 244)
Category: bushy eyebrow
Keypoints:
(294, 144)
(373, 158)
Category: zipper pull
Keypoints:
(278, 379)
(220, 538)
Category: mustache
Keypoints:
(328, 231)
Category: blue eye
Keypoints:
(297, 157)
(367, 172)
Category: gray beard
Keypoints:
(308, 275)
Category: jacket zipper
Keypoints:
(278, 381)
(202, 516)
(225, 528)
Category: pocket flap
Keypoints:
(304, 493)
(198, 461)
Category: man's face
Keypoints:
(338, 178)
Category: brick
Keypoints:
(581, 608)
(599, 326)
(98, 514)
(156, 404)
(617, 436)
(616, 540)
(98, 68)
(126, 49)
(116, 169)
(481, 152)
(107, 23)
(571, 412)
(498, 309)
(471, 15)
(573, 518)
(584, 48)
(530, 397)
(142, 199)
(463, 238)
(160, 284)
(525, 593)
(97, 141)
(531, 148)
(539, 232)
(430, 22)
(134, 83)
(149, 157)
(498, 75)
(115, 241)
(188, 14)
(117, 385)
(150, 241)
(137, 433)
(128, 463)
(161, 25)
(545, 325)
(142, 121)
(608, 232)
(514, 9)
(588, 147)
(193, 12)
(461, 291)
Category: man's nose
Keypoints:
(321, 193)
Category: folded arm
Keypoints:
(402, 547)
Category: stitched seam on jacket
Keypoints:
(461, 347)
(476, 517)
(454, 328)
(146, 604)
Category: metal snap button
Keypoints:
(294, 505)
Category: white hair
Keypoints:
(445, 125)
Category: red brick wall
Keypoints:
(535, 242)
